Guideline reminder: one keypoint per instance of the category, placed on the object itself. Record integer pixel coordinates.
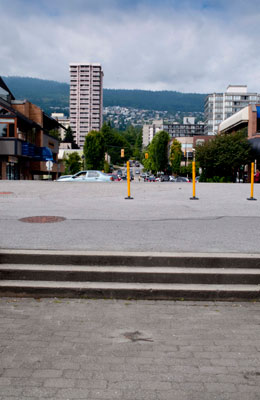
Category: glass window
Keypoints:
(3, 130)
(93, 174)
(3, 111)
(11, 130)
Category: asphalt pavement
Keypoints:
(160, 217)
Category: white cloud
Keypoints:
(185, 49)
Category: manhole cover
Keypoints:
(42, 219)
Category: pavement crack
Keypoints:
(135, 337)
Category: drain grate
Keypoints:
(42, 219)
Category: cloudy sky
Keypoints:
(185, 45)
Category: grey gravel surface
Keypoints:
(128, 350)
(161, 217)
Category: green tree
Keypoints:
(69, 138)
(138, 146)
(158, 152)
(114, 142)
(55, 133)
(224, 155)
(175, 156)
(147, 162)
(73, 163)
(94, 150)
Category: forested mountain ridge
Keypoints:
(52, 95)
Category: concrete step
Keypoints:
(158, 291)
(151, 259)
(72, 273)
(129, 275)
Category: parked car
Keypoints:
(124, 177)
(116, 177)
(164, 178)
(182, 179)
(62, 177)
(88, 176)
(150, 178)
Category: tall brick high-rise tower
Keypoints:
(86, 99)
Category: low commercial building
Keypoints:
(25, 141)
(176, 130)
(220, 106)
(185, 129)
(188, 145)
(248, 118)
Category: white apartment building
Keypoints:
(64, 121)
(150, 130)
(219, 106)
(86, 100)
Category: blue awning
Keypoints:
(47, 154)
(258, 111)
(38, 153)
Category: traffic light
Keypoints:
(122, 153)
(146, 155)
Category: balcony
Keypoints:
(37, 153)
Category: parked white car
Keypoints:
(87, 176)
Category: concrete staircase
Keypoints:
(164, 276)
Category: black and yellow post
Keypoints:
(193, 182)
(252, 182)
(128, 182)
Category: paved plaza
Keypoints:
(161, 217)
(128, 350)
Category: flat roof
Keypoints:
(86, 64)
(235, 119)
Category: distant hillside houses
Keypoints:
(188, 128)
(120, 117)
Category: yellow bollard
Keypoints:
(193, 182)
(128, 182)
(252, 182)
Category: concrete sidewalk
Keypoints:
(160, 218)
(128, 350)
